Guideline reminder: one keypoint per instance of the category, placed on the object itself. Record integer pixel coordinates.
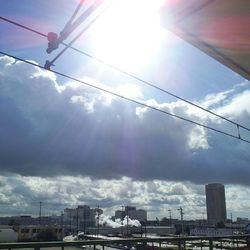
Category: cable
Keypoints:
(23, 26)
(137, 78)
(75, 12)
(83, 16)
(49, 63)
(126, 98)
(70, 27)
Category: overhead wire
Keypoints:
(54, 40)
(125, 98)
(75, 12)
(70, 27)
(133, 76)
(50, 63)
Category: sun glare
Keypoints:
(128, 34)
(127, 90)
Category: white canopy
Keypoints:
(220, 28)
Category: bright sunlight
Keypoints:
(128, 34)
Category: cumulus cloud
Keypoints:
(49, 129)
(21, 195)
(107, 221)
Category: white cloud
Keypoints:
(214, 99)
(198, 139)
(67, 191)
(21, 195)
(239, 104)
(50, 129)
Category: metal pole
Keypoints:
(210, 244)
(232, 224)
(122, 218)
(127, 221)
(181, 212)
(77, 221)
(62, 225)
(98, 218)
(70, 218)
(179, 244)
(40, 212)
(170, 217)
(84, 220)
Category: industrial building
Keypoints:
(81, 217)
(132, 213)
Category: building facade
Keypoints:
(133, 213)
(81, 217)
(216, 203)
(210, 231)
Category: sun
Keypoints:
(129, 33)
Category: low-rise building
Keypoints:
(7, 234)
(142, 230)
(31, 232)
(210, 231)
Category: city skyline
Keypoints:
(63, 143)
(189, 213)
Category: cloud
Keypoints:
(48, 129)
(21, 195)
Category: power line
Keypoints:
(127, 98)
(137, 78)
(50, 63)
(70, 26)
(23, 26)
(74, 14)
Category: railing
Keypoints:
(155, 243)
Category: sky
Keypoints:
(67, 144)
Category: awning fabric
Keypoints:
(220, 28)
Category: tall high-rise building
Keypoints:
(216, 203)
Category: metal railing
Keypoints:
(155, 243)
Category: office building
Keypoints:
(216, 203)
(81, 217)
(133, 213)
